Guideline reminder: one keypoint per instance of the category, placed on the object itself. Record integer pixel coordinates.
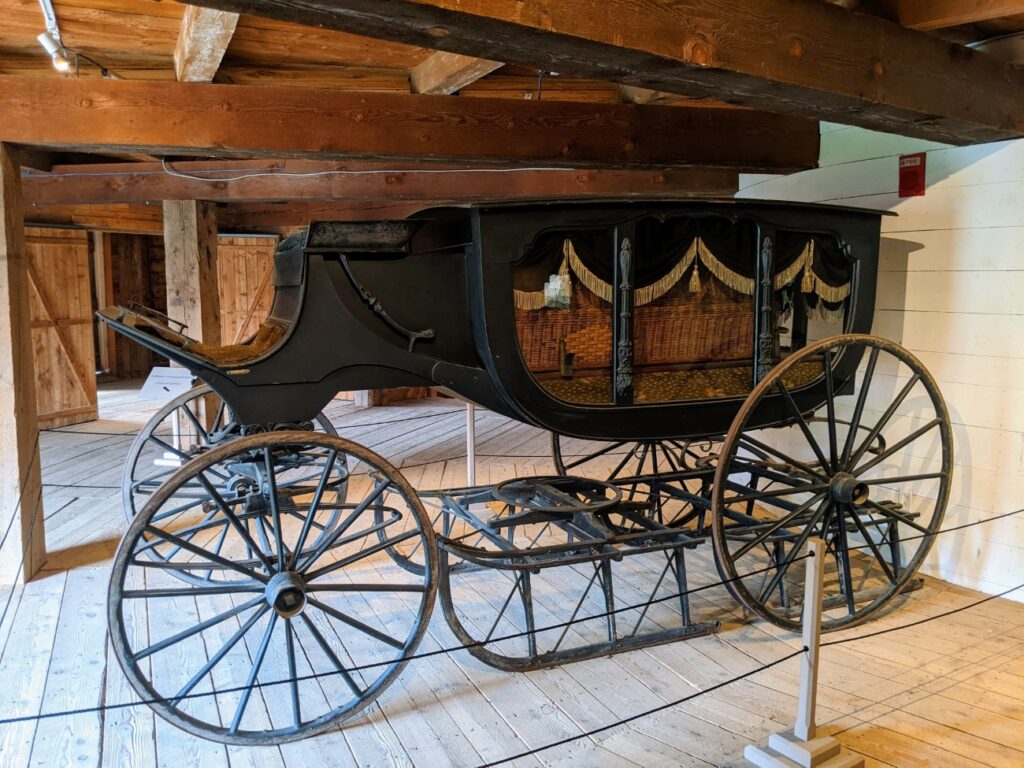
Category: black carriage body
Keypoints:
(429, 301)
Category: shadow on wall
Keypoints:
(891, 290)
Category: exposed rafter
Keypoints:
(800, 57)
(353, 181)
(202, 41)
(446, 73)
(941, 14)
(226, 120)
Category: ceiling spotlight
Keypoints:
(58, 53)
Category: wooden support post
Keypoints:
(21, 500)
(190, 245)
(103, 280)
(470, 444)
(801, 746)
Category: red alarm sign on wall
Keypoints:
(912, 175)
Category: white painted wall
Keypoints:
(951, 289)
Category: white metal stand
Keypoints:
(470, 444)
(802, 747)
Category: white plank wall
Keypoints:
(951, 289)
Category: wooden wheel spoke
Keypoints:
(216, 658)
(871, 543)
(347, 561)
(257, 663)
(357, 624)
(858, 410)
(200, 627)
(372, 587)
(830, 410)
(904, 478)
(293, 683)
(591, 456)
(893, 514)
(794, 553)
(329, 541)
(783, 457)
(898, 446)
(229, 588)
(195, 423)
(314, 504)
(329, 653)
(242, 530)
(884, 419)
(778, 525)
(205, 553)
(275, 510)
(802, 423)
(625, 460)
(757, 495)
(184, 456)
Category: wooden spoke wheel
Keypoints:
(868, 472)
(643, 470)
(188, 426)
(301, 630)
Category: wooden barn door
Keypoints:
(245, 267)
(62, 325)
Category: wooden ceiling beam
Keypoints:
(942, 14)
(236, 120)
(234, 218)
(202, 41)
(800, 57)
(275, 180)
(445, 73)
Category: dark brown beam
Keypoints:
(226, 120)
(356, 181)
(263, 218)
(942, 14)
(233, 218)
(800, 57)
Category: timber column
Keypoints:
(190, 244)
(21, 499)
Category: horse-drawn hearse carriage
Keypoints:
(705, 373)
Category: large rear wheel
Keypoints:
(868, 471)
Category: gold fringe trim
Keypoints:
(592, 282)
(528, 300)
(722, 273)
(788, 275)
(659, 288)
(696, 254)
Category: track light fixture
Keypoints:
(58, 53)
(50, 39)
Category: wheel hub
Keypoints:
(286, 594)
(847, 489)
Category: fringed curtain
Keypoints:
(671, 250)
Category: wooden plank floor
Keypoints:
(949, 693)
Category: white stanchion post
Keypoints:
(802, 747)
(470, 444)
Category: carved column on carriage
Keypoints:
(764, 348)
(21, 502)
(624, 272)
(190, 242)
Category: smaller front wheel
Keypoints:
(293, 617)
